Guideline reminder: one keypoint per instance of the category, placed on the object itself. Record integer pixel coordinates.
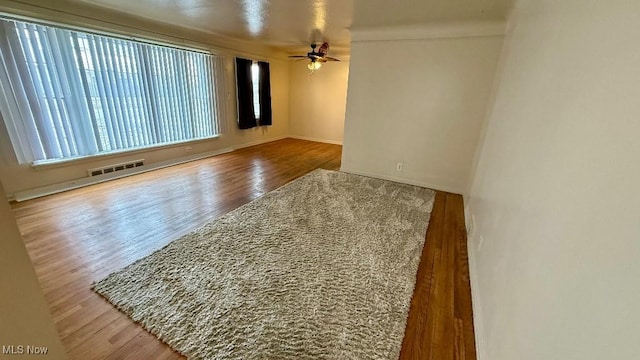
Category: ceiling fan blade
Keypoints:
(326, 58)
(298, 56)
(324, 49)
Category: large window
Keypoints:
(70, 94)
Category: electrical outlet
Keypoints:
(472, 226)
(399, 166)
(480, 243)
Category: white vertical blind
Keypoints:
(70, 94)
(218, 83)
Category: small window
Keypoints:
(253, 90)
(255, 86)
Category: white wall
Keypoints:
(20, 178)
(24, 314)
(420, 102)
(317, 101)
(555, 196)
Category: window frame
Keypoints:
(162, 41)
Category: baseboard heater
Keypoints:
(106, 173)
(115, 167)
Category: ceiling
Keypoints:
(292, 24)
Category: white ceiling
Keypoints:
(292, 24)
(385, 13)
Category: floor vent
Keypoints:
(115, 167)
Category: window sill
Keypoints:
(55, 163)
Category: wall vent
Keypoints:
(115, 167)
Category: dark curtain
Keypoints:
(246, 116)
(265, 93)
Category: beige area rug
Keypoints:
(321, 268)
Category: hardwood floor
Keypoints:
(440, 323)
(80, 236)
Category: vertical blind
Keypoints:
(71, 94)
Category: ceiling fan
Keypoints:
(316, 57)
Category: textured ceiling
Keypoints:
(384, 13)
(292, 24)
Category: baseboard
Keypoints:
(258, 142)
(86, 181)
(315, 139)
(478, 324)
(403, 180)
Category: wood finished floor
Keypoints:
(80, 236)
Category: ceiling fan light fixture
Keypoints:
(314, 65)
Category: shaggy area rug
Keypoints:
(321, 268)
